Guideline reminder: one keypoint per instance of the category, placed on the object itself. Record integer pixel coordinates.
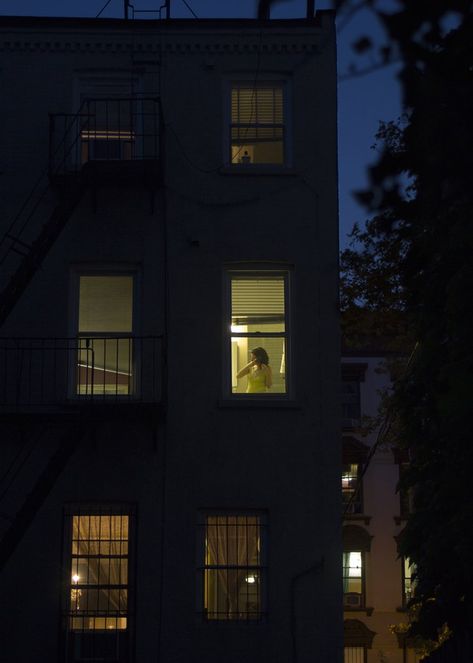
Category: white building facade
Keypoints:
(377, 581)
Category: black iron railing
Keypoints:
(115, 129)
(66, 371)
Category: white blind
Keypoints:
(257, 105)
(106, 304)
(258, 297)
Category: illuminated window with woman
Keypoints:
(258, 332)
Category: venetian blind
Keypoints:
(257, 105)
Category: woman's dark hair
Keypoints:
(261, 356)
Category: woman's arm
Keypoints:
(246, 369)
(268, 375)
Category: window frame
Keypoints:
(407, 579)
(201, 565)
(348, 658)
(356, 504)
(263, 80)
(124, 637)
(103, 270)
(362, 577)
(255, 271)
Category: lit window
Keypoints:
(353, 579)
(354, 654)
(258, 333)
(408, 581)
(233, 573)
(97, 618)
(257, 130)
(105, 330)
(351, 489)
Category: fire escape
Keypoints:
(75, 380)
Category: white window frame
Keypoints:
(262, 80)
(256, 271)
(103, 270)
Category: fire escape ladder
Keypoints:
(113, 140)
(32, 255)
(67, 444)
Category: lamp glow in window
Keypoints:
(232, 567)
(258, 333)
(353, 572)
(98, 596)
(257, 124)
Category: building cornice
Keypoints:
(46, 34)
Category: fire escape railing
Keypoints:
(51, 372)
(106, 129)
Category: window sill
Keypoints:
(270, 402)
(367, 611)
(255, 169)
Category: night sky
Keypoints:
(363, 101)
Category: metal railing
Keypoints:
(49, 372)
(114, 129)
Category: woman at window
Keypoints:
(260, 377)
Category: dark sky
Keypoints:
(363, 101)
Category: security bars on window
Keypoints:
(233, 570)
(99, 556)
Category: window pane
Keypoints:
(352, 572)
(99, 571)
(105, 304)
(351, 490)
(353, 655)
(232, 573)
(257, 131)
(258, 307)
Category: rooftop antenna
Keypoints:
(126, 9)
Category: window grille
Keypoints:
(257, 124)
(97, 620)
(233, 570)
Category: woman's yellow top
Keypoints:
(256, 382)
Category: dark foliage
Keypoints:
(414, 262)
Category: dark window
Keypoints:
(351, 410)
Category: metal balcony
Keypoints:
(115, 138)
(48, 373)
